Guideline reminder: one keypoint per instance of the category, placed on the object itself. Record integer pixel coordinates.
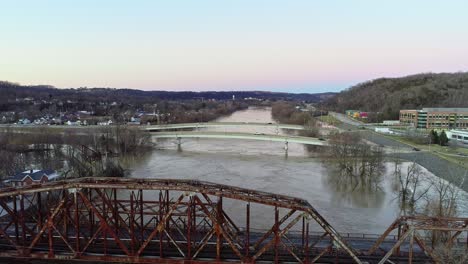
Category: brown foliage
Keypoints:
(388, 95)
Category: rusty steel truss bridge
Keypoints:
(187, 221)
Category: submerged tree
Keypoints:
(413, 186)
(443, 201)
(359, 164)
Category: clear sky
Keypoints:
(289, 45)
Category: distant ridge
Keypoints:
(389, 95)
(13, 90)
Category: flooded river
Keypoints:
(262, 165)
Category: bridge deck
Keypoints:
(222, 124)
(295, 239)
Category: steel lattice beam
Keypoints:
(162, 221)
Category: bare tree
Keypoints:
(413, 186)
(451, 254)
(359, 163)
(443, 202)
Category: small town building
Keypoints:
(353, 113)
(24, 121)
(31, 177)
(384, 130)
(105, 123)
(391, 122)
(357, 114)
(135, 120)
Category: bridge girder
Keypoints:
(164, 221)
(244, 136)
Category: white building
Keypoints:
(384, 130)
(458, 135)
(391, 122)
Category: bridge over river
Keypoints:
(276, 126)
(286, 139)
(186, 221)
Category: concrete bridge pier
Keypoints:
(179, 144)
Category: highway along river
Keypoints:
(262, 165)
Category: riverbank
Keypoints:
(444, 168)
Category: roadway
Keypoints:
(222, 124)
(172, 126)
(442, 168)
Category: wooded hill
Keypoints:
(10, 90)
(389, 95)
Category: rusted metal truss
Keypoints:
(424, 233)
(165, 221)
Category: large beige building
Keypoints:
(436, 118)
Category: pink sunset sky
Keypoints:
(290, 46)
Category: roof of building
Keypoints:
(35, 175)
(463, 132)
(445, 109)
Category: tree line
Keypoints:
(385, 97)
(84, 153)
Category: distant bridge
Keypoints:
(237, 135)
(221, 124)
(153, 128)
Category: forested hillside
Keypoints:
(10, 90)
(389, 95)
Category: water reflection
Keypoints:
(346, 190)
(133, 161)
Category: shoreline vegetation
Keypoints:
(287, 113)
(84, 153)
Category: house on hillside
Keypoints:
(105, 123)
(24, 121)
(134, 121)
(31, 177)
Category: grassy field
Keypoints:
(331, 120)
(450, 153)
